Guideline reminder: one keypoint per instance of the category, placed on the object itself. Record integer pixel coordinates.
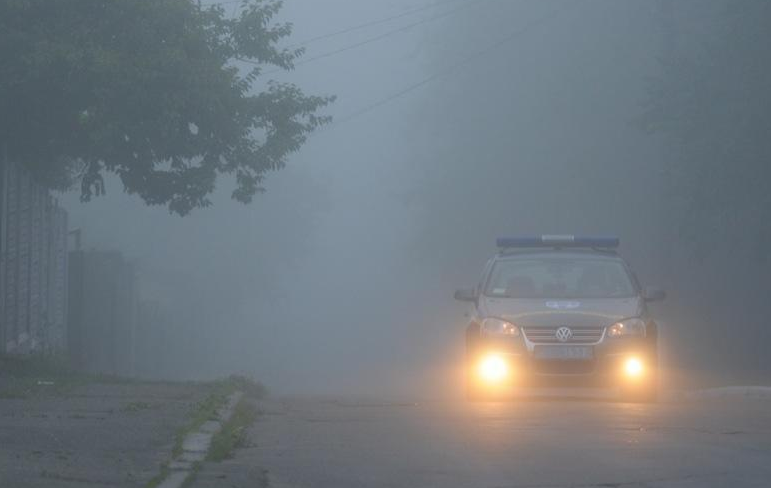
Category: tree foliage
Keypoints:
(154, 91)
(712, 104)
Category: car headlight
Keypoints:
(494, 326)
(493, 368)
(627, 328)
(633, 367)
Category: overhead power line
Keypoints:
(371, 39)
(354, 27)
(373, 23)
(225, 2)
(450, 69)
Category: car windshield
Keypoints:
(560, 277)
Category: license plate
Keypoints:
(564, 352)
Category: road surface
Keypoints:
(92, 435)
(540, 442)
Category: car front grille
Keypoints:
(548, 335)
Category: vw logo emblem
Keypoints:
(563, 334)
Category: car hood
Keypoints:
(551, 312)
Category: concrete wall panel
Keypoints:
(33, 265)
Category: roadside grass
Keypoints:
(158, 478)
(136, 406)
(38, 374)
(21, 377)
(200, 413)
(232, 435)
(207, 408)
(192, 476)
(165, 471)
(251, 388)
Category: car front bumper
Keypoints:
(612, 363)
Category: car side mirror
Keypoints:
(465, 295)
(653, 294)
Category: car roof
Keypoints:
(510, 254)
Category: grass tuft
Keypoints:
(136, 406)
(233, 432)
(251, 388)
(158, 478)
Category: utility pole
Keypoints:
(3, 223)
(665, 13)
(668, 32)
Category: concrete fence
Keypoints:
(155, 342)
(111, 330)
(102, 312)
(33, 265)
(82, 303)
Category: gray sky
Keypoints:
(341, 275)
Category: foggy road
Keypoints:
(537, 442)
(364, 204)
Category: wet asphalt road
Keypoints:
(112, 435)
(541, 442)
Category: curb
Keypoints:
(196, 445)
(750, 392)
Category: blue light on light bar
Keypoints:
(608, 242)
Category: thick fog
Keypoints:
(484, 118)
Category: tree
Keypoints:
(153, 91)
(712, 104)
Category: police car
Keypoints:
(560, 310)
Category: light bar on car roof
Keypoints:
(609, 242)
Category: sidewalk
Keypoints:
(93, 435)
